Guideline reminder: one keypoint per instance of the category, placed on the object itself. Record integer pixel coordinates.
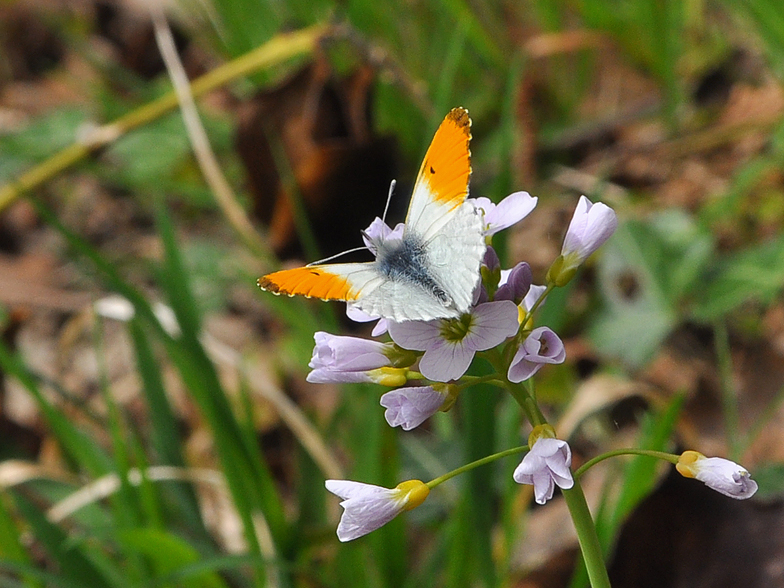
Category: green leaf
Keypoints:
(151, 153)
(754, 275)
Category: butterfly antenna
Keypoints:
(389, 199)
(331, 257)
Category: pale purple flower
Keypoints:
(360, 316)
(509, 211)
(345, 359)
(546, 465)
(379, 232)
(533, 295)
(410, 407)
(450, 344)
(540, 347)
(515, 283)
(591, 225)
(368, 507)
(717, 473)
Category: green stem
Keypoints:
(729, 396)
(279, 49)
(537, 304)
(467, 381)
(631, 451)
(586, 535)
(520, 395)
(475, 464)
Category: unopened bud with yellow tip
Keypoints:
(718, 474)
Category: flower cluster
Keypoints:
(426, 362)
(504, 301)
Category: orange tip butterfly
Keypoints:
(429, 273)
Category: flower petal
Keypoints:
(410, 407)
(366, 507)
(509, 211)
(591, 225)
(416, 335)
(446, 360)
(492, 323)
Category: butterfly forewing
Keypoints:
(442, 183)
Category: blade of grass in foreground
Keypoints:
(77, 562)
(78, 447)
(471, 554)
(164, 430)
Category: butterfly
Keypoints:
(432, 270)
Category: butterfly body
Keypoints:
(432, 270)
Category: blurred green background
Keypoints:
(156, 427)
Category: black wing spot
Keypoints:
(432, 171)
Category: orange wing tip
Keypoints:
(311, 282)
(459, 116)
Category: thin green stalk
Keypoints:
(729, 397)
(475, 464)
(279, 49)
(586, 535)
(468, 381)
(631, 451)
(518, 392)
(538, 303)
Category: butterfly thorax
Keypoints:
(406, 260)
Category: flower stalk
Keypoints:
(586, 535)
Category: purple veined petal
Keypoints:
(409, 407)
(366, 507)
(521, 369)
(513, 209)
(506, 213)
(491, 260)
(545, 466)
(327, 376)
(530, 356)
(549, 347)
(533, 295)
(416, 335)
(357, 315)
(725, 477)
(591, 225)
(515, 283)
(492, 324)
(544, 487)
(446, 360)
(378, 232)
(360, 316)
(382, 326)
(343, 353)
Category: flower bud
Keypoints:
(717, 473)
